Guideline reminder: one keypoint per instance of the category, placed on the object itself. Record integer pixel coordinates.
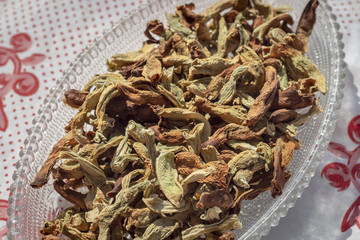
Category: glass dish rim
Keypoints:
(288, 202)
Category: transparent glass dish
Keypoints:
(29, 207)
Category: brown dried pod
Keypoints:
(133, 70)
(218, 177)
(263, 102)
(275, 63)
(218, 198)
(118, 184)
(283, 115)
(156, 27)
(72, 196)
(229, 114)
(278, 180)
(42, 176)
(235, 132)
(75, 98)
(171, 136)
(307, 22)
(227, 236)
(230, 16)
(293, 99)
(187, 162)
(140, 97)
(259, 19)
(227, 155)
(186, 14)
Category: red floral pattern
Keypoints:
(3, 232)
(22, 83)
(342, 175)
(3, 216)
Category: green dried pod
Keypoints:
(105, 80)
(184, 114)
(242, 178)
(283, 78)
(102, 148)
(214, 10)
(261, 31)
(145, 136)
(211, 215)
(160, 206)
(193, 139)
(242, 145)
(298, 65)
(230, 114)
(270, 128)
(167, 77)
(266, 154)
(160, 229)
(210, 66)
(103, 121)
(175, 25)
(177, 101)
(120, 159)
(128, 178)
(289, 129)
(79, 120)
(92, 172)
(177, 60)
(122, 201)
(222, 38)
(264, 9)
(198, 86)
(242, 36)
(178, 93)
(242, 161)
(140, 218)
(255, 77)
(277, 35)
(210, 154)
(116, 62)
(196, 176)
(229, 222)
(174, 149)
(246, 99)
(227, 93)
(167, 176)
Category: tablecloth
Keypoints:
(39, 38)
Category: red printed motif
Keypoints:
(22, 83)
(342, 175)
(3, 216)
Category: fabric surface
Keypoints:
(39, 38)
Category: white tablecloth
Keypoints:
(38, 39)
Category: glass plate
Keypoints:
(29, 207)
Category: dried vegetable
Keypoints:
(169, 143)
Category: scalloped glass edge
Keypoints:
(255, 232)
